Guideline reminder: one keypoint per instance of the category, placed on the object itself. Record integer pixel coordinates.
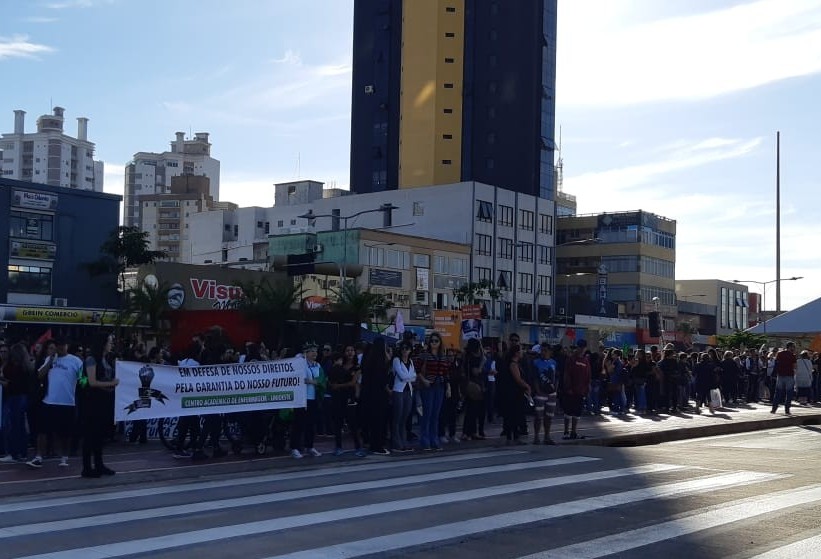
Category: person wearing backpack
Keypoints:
(62, 372)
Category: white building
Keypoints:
(150, 173)
(49, 156)
(511, 234)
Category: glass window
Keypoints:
(724, 307)
(484, 244)
(440, 265)
(544, 285)
(545, 223)
(458, 267)
(525, 282)
(505, 248)
(484, 211)
(506, 216)
(483, 274)
(421, 260)
(29, 279)
(27, 225)
(526, 218)
(544, 255)
(526, 252)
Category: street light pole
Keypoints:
(764, 285)
(310, 216)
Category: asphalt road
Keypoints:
(754, 495)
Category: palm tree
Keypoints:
(147, 304)
(361, 304)
(269, 304)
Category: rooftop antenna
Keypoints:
(560, 164)
(298, 164)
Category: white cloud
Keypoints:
(613, 185)
(68, 4)
(19, 46)
(114, 178)
(604, 61)
(37, 19)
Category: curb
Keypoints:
(654, 438)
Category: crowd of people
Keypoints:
(58, 397)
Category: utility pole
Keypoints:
(777, 222)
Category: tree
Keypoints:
(147, 304)
(269, 304)
(741, 340)
(126, 247)
(361, 305)
(468, 293)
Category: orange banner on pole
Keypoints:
(449, 325)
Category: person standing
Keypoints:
(343, 378)
(803, 378)
(576, 386)
(544, 393)
(433, 379)
(97, 410)
(785, 367)
(375, 395)
(403, 374)
(513, 392)
(473, 370)
(303, 431)
(62, 370)
(16, 374)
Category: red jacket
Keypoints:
(577, 375)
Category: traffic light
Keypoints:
(655, 324)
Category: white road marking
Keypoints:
(696, 521)
(803, 548)
(30, 528)
(217, 533)
(33, 504)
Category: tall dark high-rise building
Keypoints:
(454, 90)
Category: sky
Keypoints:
(670, 107)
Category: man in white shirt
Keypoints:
(58, 411)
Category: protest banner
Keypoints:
(149, 391)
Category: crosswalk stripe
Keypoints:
(312, 519)
(29, 528)
(696, 521)
(803, 548)
(30, 504)
(443, 532)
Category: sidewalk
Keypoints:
(152, 462)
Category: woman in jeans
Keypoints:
(403, 375)
(433, 375)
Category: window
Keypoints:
(225, 255)
(421, 260)
(484, 245)
(483, 274)
(490, 163)
(526, 220)
(259, 225)
(280, 223)
(506, 216)
(526, 252)
(450, 35)
(29, 279)
(449, 61)
(448, 86)
(525, 282)
(544, 255)
(446, 162)
(484, 211)
(228, 227)
(506, 278)
(293, 222)
(545, 223)
(505, 248)
(450, 10)
(441, 301)
(27, 225)
(440, 265)
(447, 111)
(447, 136)
(524, 311)
(267, 227)
(544, 285)
(458, 267)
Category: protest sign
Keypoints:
(149, 391)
